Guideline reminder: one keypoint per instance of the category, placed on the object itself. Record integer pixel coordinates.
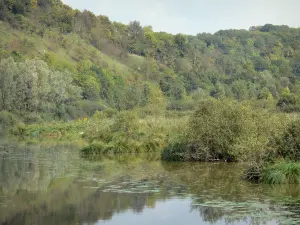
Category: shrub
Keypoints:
(95, 148)
(32, 118)
(7, 119)
(228, 131)
(181, 105)
(176, 151)
(19, 129)
(107, 113)
(224, 130)
(110, 112)
(288, 144)
(253, 172)
(90, 107)
(74, 112)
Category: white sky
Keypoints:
(196, 16)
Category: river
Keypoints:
(52, 184)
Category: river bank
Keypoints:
(217, 131)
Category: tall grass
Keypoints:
(282, 173)
(54, 130)
(131, 132)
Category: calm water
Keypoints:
(52, 184)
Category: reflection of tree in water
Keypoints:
(215, 214)
(52, 185)
(208, 214)
(221, 194)
(38, 189)
(97, 206)
(103, 205)
(31, 168)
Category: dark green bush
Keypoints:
(177, 151)
(73, 112)
(18, 129)
(107, 113)
(181, 105)
(95, 148)
(90, 107)
(288, 145)
(110, 112)
(32, 118)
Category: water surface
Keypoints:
(51, 184)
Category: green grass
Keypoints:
(112, 132)
(282, 173)
(129, 132)
(55, 130)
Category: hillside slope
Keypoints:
(127, 66)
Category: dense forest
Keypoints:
(62, 64)
(110, 64)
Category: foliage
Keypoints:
(7, 120)
(31, 86)
(237, 64)
(54, 130)
(176, 150)
(126, 134)
(230, 131)
(288, 144)
(131, 132)
(223, 130)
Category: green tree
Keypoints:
(7, 84)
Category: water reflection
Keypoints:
(52, 184)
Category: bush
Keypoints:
(288, 144)
(107, 113)
(253, 172)
(95, 148)
(110, 112)
(74, 112)
(7, 120)
(32, 118)
(176, 152)
(228, 131)
(19, 129)
(181, 105)
(223, 130)
(90, 107)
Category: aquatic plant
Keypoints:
(281, 173)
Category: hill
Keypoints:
(101, 64)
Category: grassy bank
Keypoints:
(136, 131)
(131, 132)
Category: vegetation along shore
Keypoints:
(231, 96)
